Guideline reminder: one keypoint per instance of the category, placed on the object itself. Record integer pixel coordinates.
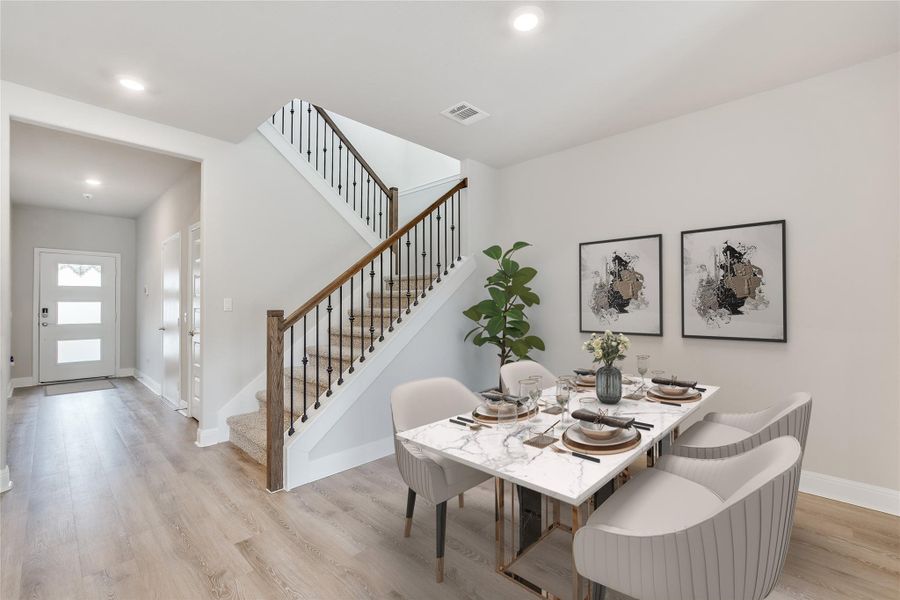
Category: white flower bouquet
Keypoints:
(608, 347)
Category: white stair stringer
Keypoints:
(318, 182)
(302, 463)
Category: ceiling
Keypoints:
(48, 168)
(592, 70)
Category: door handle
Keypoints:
(191, 333)
(160, 328)
(44, 324)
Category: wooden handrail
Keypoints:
(365, 260)
(353, 149)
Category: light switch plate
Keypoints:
(228, 305)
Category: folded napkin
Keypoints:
(673, 381)
(497, 396)
(592, 417)
(585, 371)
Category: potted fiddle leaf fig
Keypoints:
(500, 319)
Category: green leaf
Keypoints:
(471, 332)
(520, 327)
(515, 247)
(509, 266)
(498, 296)
(488, 308)
(530, 298)
(494, 252)
(524, 275)
(494, 325)
(479, 341)
(473, 313)
(535, 342)
(519, 348)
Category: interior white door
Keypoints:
(171, 322)
(77, 318)
(194, 331)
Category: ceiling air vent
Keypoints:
(465, 113)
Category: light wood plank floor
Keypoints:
(112, 499)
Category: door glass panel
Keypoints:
(78, 313)
(69, 351)
(72, 275)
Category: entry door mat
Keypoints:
(76, 387)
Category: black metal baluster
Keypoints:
(446, 260)
(340, 334)
(452, 232)
(324, 150)
(291, 357)
(431, 251)
(282, 120)
(318, 358)
(300, 133)
(318, 116)
(459, 229)
(408, 282)
(369, 202)
(391, 293)
(415, 261)
(308, 132)
(340, 158)
(273, 117)
(351, 318)
(399, 283)
(423, 256)
(292, 122)
(332, 159)
(379, 194)
(381, 292)
(305, 380)
(362, 314)
(354, 185)
(372, 306)
(438, 280)
(330, 369)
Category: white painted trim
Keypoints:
(176, 402)
(5, 483)
(147, 381)
(433, 184)
(318, 182)
(857, 493)
(299, 468)
(21, 382)
(36, 304)
(212, 436)
(193, 255)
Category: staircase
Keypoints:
(313, 352)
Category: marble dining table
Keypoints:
(542, 477)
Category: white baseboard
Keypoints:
(125, 372)
(5, 483)
(319, 468)
(212, 436)
(147, 381)
(865, 495)
(20, 382)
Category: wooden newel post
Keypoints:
(394, 221)
(274, 400)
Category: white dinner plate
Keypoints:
(655, 389)
(576, 435)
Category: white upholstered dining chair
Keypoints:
(725, 434)
(512, 373)
(430, 475)
(694, 529)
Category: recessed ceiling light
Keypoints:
(131, 84)
(526, 18)
(92, 181)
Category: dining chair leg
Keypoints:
(462, 500)
(598, 592)
(410, 507)
(441, 514)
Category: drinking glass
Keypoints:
(527, 389)
(506, 415)
(537, 391)
(563, 394)
(643, 363)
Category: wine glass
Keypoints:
(563, 394)
(537, 391)
(643, 363)
(527, 388)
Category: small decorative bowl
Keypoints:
(597, 431)
(492, 405)
(673, 390)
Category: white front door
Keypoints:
(77, 318)
(194, 332)
(171, 323)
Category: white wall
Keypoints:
(822, 154)
(269, 240)
(34, 227)
(173, 212)
(400, 163)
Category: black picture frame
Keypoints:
(783, 337)
(658, 331)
